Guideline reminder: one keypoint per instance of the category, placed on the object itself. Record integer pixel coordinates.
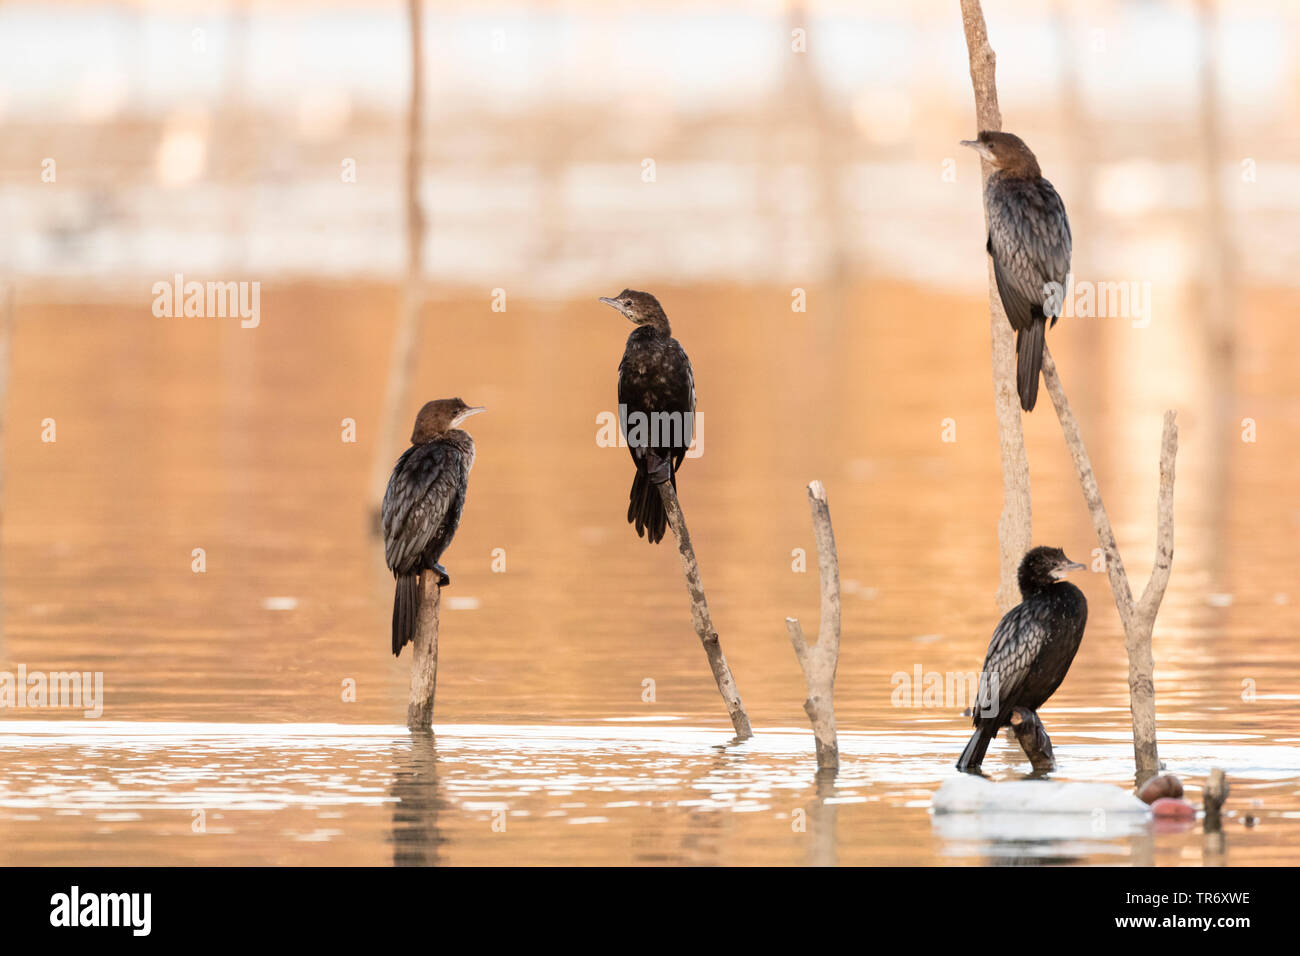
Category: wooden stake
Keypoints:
(424, 660)
(820, 661)
(700, 614)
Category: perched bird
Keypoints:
(656, 399)
(1031, 649)
(423, 503)
(1029, 240)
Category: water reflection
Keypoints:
(417, 801)
(97, 792)
(821, 820)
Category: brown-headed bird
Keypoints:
(656, 405)
(1029, 240)
(422, 505)
(1031, 650)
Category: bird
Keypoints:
(423, 504)
(1029, 240)
(1031, 649)
(656, 399)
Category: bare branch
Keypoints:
(1159, 580)
(819, 662)
(700, 614)
(797, 638)
(1138, 621)
(1015, 526)
(1091, 493)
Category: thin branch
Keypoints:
(424, 659)
(1159, 580)
(406, 338)
(1138, 619)
(700, 614)
(819, 662)
(6, 351)
(1015, 526)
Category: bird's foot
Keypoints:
(443, 578)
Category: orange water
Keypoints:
(177, 434)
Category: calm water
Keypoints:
(261, 692)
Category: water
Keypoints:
(261, 691)
(175, 793)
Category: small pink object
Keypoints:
(1171, 808)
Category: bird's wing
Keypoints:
(1019, 637)
(1018, 307)
(1029, 239)
(424, 491)
(656, 377)
(688, 393)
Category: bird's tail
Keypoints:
(645, 509)
(406, 605)
(973, 755)
(1029, 362)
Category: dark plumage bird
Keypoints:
(1029, 240)
(656, 398)
(1031, 649)
(422, 505)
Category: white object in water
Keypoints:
(967, 793)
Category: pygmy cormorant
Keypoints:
(1031, 649)
(423, 503)
(656, 398)
(1029, 240)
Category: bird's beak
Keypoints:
(613, 304)
(1061, 570)
(469, 412)
(985, 151)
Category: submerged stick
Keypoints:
(820, 661)
(1137, 617)
(1216, 792)
(700, 614)
(1015, 526)
(424, 660)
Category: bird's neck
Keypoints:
(1024, 170)
(653, 329)
(1032, 587)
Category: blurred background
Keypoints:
(214, 134)
(736, 159)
